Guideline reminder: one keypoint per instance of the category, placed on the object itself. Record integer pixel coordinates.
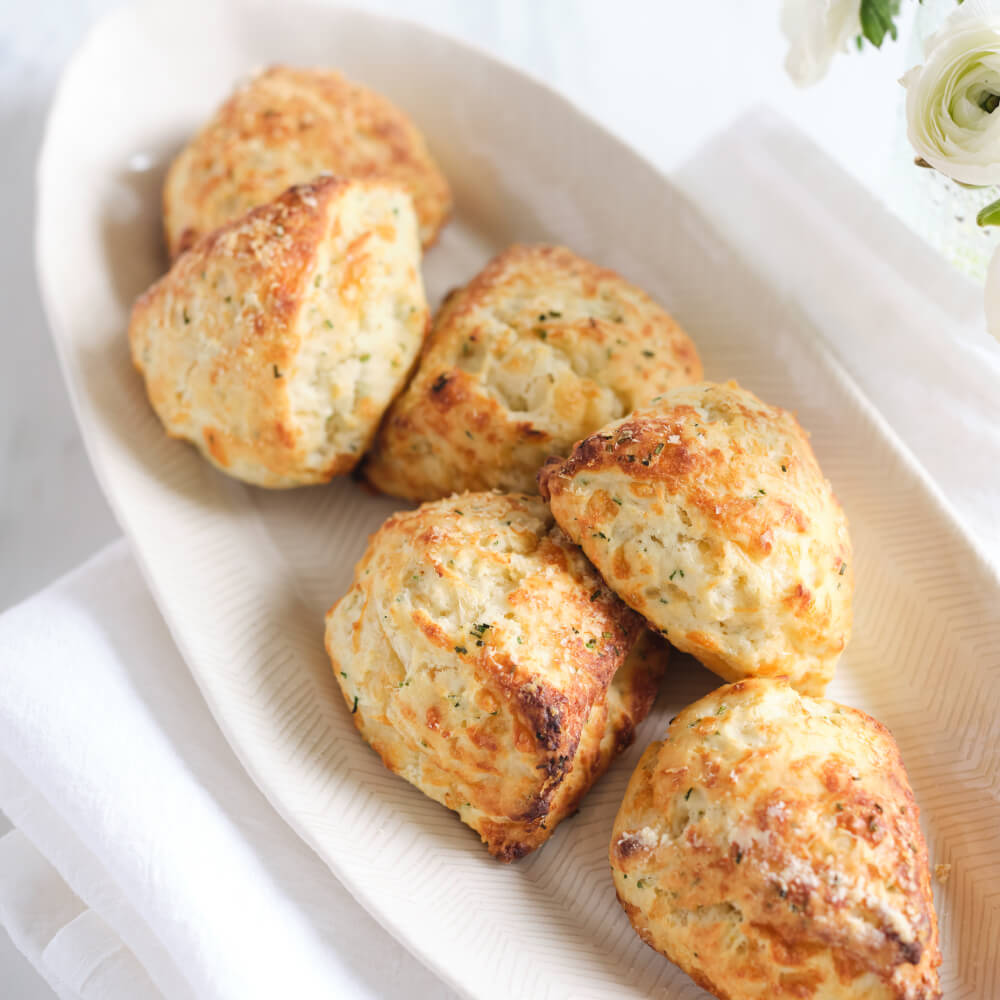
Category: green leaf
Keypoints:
(990, 215)
(878, 20)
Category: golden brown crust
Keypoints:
(287, 126)
(539, 349)
(486, 663)
(275, 344)
(708, 514)
(771, 847)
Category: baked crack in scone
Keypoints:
(275, 344)
(538, 350)
(287, 126)
(708, 513)
(486, 662)
(771, 847)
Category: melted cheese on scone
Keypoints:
(771, 847)
(708, 513)
(540, 349)
(288, 126)
(485, 661)
(276, 344)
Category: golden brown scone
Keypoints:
(288, 126)
(771, 847)
(708, 514)
(541, 348)
(275, 344)
(485, 661)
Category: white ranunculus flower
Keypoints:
(816, 31)
(951, 99)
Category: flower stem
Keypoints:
(990, 215)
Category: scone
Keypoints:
(771, 847)
(484, 660)
(288, 126)
(276, 343)
(708, 514)
(540, 349)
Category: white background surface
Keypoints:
(664, 75)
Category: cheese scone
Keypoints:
(771, 847)
(540, 349)
(708, 513)
(287, 126)
(484, 660)
(276, 343)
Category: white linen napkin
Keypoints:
(176, 877)
(146, 863)
(910, 331)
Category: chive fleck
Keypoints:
(187, 318)
(687, 794)
(365, 357)
(353, 710)
(843, 568)
(649, 354)
(461, 650)
(277, 374)
(595, 595)
(328, 324)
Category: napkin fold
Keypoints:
(75, 950)
(145, 862)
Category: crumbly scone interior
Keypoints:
(361, 322)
